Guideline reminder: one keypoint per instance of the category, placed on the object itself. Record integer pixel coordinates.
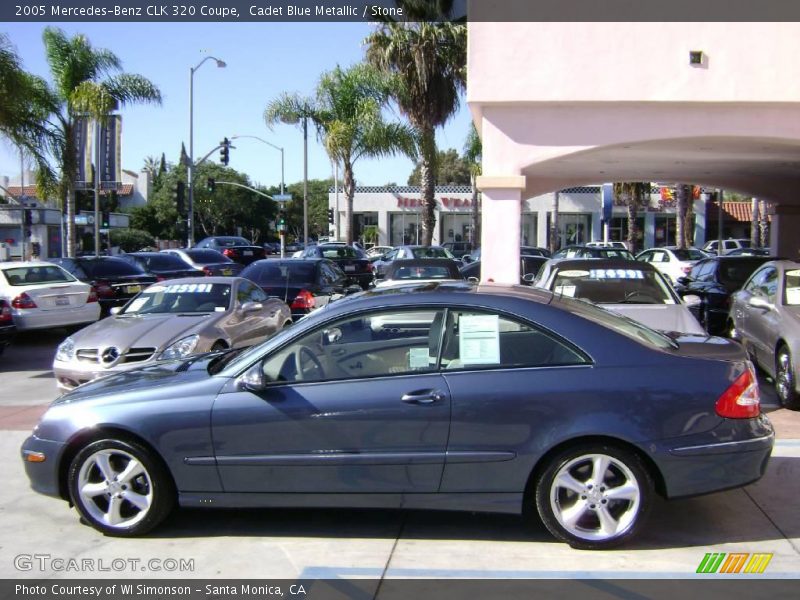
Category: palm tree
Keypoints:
(88, 83)
(683, 194)
(632, 194)
(473, 151)
(428, 61)
(347, 113)
(25, 104)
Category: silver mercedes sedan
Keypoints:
(765, 317)
(171, 320)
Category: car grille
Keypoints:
(133, 355)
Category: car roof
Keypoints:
(28, 263)
(599, 263)
(201, 279)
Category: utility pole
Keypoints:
(305, 182)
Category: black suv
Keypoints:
(715, 280)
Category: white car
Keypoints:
(43, 295)
(727, 245)
(606, 245)
(673, 262)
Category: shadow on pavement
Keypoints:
(32, 350)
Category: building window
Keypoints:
(530, 229)
(455, 227)
(405, 228)
(618, 231)
(574, 228)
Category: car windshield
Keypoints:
(111, 267)
(791, 283)
(207, 257)
(180, 298)
(688, 254)
(295, 272)
(613, 286)
(735, 272)
(40, 274)
(435, 272)
(162, 261)
(335, 252)
(232, 241)
(615, 253)
(432, 252)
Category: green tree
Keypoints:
(427, 60)
(473, 156)
(87, 81)
(347, 113)
(451, 169)
(131, 240)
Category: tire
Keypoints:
(129, 505)
(572, 503)
(785, 382)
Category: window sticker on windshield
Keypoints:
(616, 274)
(191, 288)
(418, 358)
(566, 290)
(793, 296)
(479, 339)
(137, 304)
(220, 309)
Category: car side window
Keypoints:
(646, 257)
(660, 257)
(376, 344)
(769, 284)
(327, 275)
(754, 282)
(704, 271)
(245, 293)
(477, 340)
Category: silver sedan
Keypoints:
(171, 320)
(765, 317)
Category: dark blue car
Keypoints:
(492, 398)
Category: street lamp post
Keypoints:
(190, 221)
(255, 137)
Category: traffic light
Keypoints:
(106, 219)
(281, 221)
(28, 217)
(224, 152)
(330, 216)
(180, 197)
(211, 184)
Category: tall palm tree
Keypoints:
(347, 114)
(683, 195)
(633, 195)
(87, 82)
(25, 105)
(473, 152)
(428, 60)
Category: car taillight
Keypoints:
(5, 314)
(103, 289)
(228, 252)
(23, 301)
(160, 278)
(92, 296)
(741, 400)
(208, 272)
(367, 267)
(304, 300)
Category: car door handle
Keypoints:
(425, 397)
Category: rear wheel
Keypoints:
(594, 496)
(120, 488)
(785, 382)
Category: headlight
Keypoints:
(66, 350)
(183, 347)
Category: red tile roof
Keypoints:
(736, 211)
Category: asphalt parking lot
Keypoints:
(761, 518)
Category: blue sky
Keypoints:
(264, 60)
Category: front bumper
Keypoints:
(43, 475)
(73, 373)
(732, 455)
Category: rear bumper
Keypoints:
(732, 455)
(44, 319)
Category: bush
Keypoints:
(131, 240)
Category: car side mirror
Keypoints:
(116, 310)
(249, 307)
(252, 380)
(760, 303)
(683, 280)
(528, 278)
(473, 280)
(692, 300)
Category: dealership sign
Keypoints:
(446, 202)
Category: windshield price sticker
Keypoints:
(418, 358)
(479, 339)
(615, 274)
(196, 288)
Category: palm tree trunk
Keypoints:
(754, 223)
(763, 224)
(688, 221)
(553, 243)
(681, 199)
(69, 203)
(476, 220)
(427, 174)
(349, 194)
(633, 211)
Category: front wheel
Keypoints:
(594, 496)
(785, 382)
(119, 488)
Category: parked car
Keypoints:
(272, 248)
(409, 252)
(586, 251)
(459, 248)
(292, 247)
(508, 399)
(420, 270)
(714, 280)
(749, 252)
(210, 262)
(765, 317)
(115, 280)
(305, 285)
(636, 290)
(673, 262)
(475, 255)
(376, 252)
(712, 246)
(353, 261)
(529, 267)
(7, 327)
(42, 295)
(163, 265)
(609, 244)
(236, 248)
(170, 320)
